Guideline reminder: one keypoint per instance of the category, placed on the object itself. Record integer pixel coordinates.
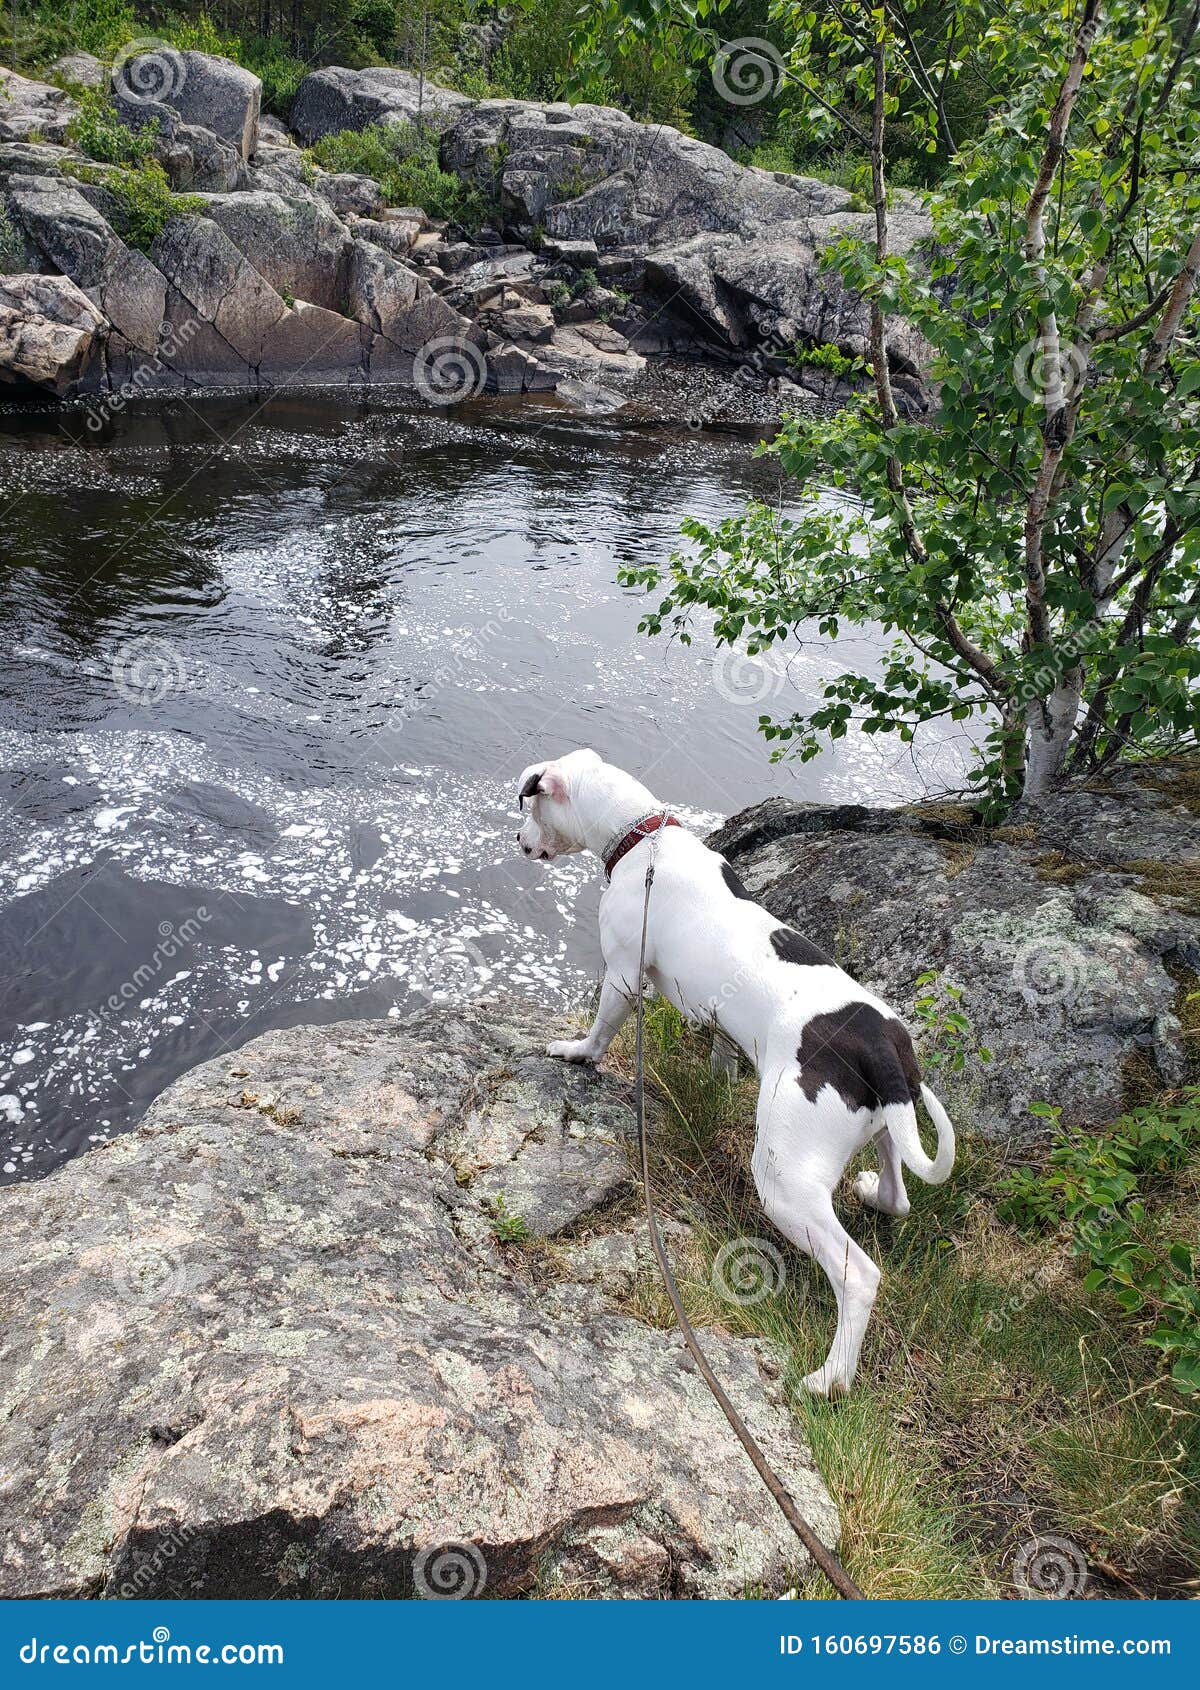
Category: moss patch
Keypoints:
(1178, 880)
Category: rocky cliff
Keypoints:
(270, 1344)
(608, 241)
(1072, 932)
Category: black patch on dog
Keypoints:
(734, 883)
(866, 1057)
(790, 946)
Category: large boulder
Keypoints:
(80, 70)
(399, 308)
(593, 173)
(731, 251)
(64, 226)
(299, 246)
(196, 160)
(30, 109)
(203, 89)
(1073, 932)
(50, 334)
(246, 331)
(333, 99)
(268, 1345)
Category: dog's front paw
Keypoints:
(571, 1050)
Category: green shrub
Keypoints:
(1096, 1188)
(405, 164)
(40, 30)
(281, 71)
(143, 203)
(97, 130)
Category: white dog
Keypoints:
(836, 1068)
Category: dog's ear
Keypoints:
(545, 782)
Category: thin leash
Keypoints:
(824, 1558)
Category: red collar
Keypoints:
(639, 831)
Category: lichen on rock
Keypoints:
(268, 1345)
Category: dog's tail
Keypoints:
(901, 1119)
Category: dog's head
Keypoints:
(546, 794)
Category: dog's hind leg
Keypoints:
(884, 1190)
(795, 1175)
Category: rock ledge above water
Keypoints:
(1073, 932)
(267, 1344)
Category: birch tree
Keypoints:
(1033, 545)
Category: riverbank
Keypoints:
(159, 234)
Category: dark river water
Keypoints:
(270, 674)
